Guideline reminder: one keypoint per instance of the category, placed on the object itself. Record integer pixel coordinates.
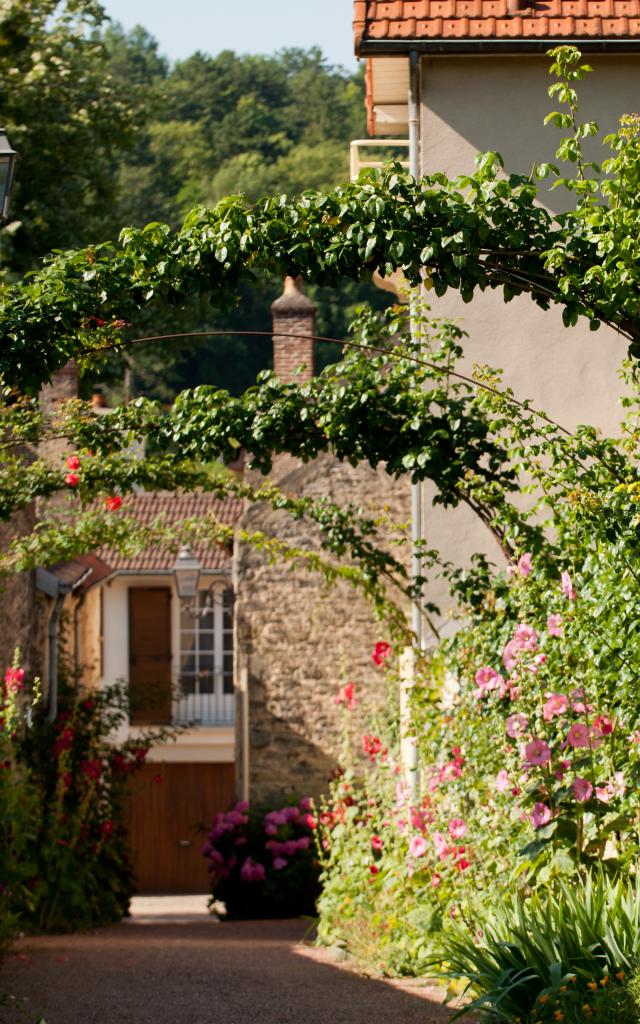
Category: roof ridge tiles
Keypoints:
(506, 20)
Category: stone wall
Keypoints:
(299, 641)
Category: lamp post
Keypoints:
(8, 157)
(186, 570)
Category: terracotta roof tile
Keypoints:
(174, 507)
(396, 21)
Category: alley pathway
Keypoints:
(173, 964)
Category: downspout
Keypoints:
(408, 670)
(54, 619)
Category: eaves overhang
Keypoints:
(505, 47)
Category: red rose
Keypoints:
(72, 479)
(113, 503)
(73, 462)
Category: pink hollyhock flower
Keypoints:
(73, 462)
(279, 863)
(271, 829)
(457, 828)
(376, 842)
(578, 702)
(578, 736)
(582, 790)
(462, 864)
(541, 815)
(605, 793)
(243, 806)
(72, 479)
(306, 804)
(524, 564)
(502, 780)
(525, 637)
(554, 625)
(516, 725)
(381, 652)
(417, 820)
(604, 725)
(556, 704)
(347, 696)
(418, 846)
(441, 844)
(113, 503)
(537, 752)
(487, 679)
(510, 656)
(436, 879)
(566, 586)
(613, 788)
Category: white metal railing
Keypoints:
(357, 164)
(205, 708)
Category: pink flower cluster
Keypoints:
(14, 680)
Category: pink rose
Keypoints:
(554, 625)
(541, 815)
(578, 736)
(556, 704)
(582, 790)
(537, 752)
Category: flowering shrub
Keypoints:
(64, 858)
(264, 864)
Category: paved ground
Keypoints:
(171, 963)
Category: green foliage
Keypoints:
(64, 853)
(564, 954)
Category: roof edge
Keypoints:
(396, 47)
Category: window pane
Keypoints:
(206, 641)
(187, 619)
(227, 609)
(187, 685)
(227, 682)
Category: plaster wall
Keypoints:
(474, 104)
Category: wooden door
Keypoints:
(168, 822)
(150, 655)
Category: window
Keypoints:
(205, 681)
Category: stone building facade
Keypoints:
(299, 641)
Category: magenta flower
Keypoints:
(541, 815)
(252, 871)
(381, 652)
(554, 625)
(578, 736)
(510, 656)
(516, 725)
(566, 586)
(418, 846)
(376, 842)
(524, 564)
(604, 725)
(538, 752)
(279, 863)
(582, 790)
(556, 704)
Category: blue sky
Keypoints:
(260, 26)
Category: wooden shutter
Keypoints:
(150, 655)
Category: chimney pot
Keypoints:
(294, 325)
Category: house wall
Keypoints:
(299, 641)
(23, 612)
(206, 744)
(472, 104)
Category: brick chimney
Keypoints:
(293, 314)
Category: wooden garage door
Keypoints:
(150, 655)
(168, 822)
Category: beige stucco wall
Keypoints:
(472, 104)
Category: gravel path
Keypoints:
(171, 964)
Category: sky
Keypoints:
(246, 26)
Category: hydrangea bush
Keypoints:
(263, 864)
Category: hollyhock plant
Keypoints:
(578, 736)
(516, 725)
(381, 652)
(457, 828)
(537, 752)
(418, 846)
(541, 815)
(582, 790)
(524, 564)
(556, 704)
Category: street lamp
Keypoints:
(186, 570)
(8, 157)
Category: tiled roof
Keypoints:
(431, 22)
(172, 508)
